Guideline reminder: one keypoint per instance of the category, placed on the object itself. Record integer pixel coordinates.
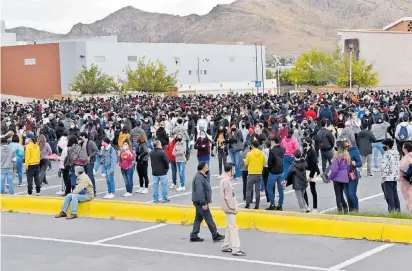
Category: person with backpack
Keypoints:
(366, 139)
(406, 184)
(326, 141)
(91, 150)
(109, 160)
(379, 130)
(390, 175)
(403, 132)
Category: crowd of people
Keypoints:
(272, 142)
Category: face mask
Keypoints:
(305, 145)
(233, 129)
(178, 139)
(367, 113)
(206, 172)
(309, 121)
(375, 111)
(125, 147)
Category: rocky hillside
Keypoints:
(284, 26)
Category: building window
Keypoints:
(232, 59)
(99, 59)
(177, 60)
(29, 61)
(132, 58)
(205, 72)
(190, 72)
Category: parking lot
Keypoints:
(35, 242)
(369, 191)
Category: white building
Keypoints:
(7, 39)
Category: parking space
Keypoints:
(369, 191)
(33, 242)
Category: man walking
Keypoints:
(160, 167)
(228, 204)
(201, 198)
(326, 141)
(255, 161)
(90, 148)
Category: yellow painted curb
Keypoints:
(390, 230)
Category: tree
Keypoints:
(269, 74)
(148, 77)
(362, 73)
(92, 81)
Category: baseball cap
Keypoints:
(31, 136)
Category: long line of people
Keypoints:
(273, 141)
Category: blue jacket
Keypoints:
(355, 156)
(326, 113)
(110, 158)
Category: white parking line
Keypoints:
(129, 233)
(360, 200)
(169, 252)
(360, 257)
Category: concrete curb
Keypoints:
(388, 230)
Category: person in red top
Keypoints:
(126, 162)
(172, 160)
(310, 114)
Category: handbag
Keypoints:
(352, 174)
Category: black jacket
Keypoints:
(275, 160)
(365, 140)
(325, 139)
(159, 162)
(162, 136)
(311, 161)
(201, 191)
(297, 175)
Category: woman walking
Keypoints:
(339, 174)
(126, 162)
(179, 152)
(352, 187)
(202, 146)
(142, 163)
(45, 151)
(220, 141)
(312, 166)
(406, 186)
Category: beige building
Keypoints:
(390, 49)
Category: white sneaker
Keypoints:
(106, 196)
(110, 196)
(60, 193)
(21, 185)
(94, 172)
(127, 194)
(172, 186)
(180, 189)
(145, 191)
(376, 169)
(139, 190)
(262, 193)
(103, 175)
(37, 194)
(315, 211)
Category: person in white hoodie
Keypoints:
(403, 132)
(229, 206)
(202, 124)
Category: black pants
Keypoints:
(67, 181)
(200, 216)
(340, 200)
(391, 131)
(265, 177)
(33, 174)
(88, 168)
(244, 179)
(327, 156)
(391, 196)
(44, 163)
(314, 195)
(399, 145)
(253, 181)
(222, 159)
(141, 169)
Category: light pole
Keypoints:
(296, 81)
(350, 67)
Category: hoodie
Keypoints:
(398, 129)
(390, 166)
(290, 145)
(297, 175)
(379, 130)
(255, 160)
(228, 202)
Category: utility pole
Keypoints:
(257, 74)
(278, 83)
(263, 75)
(296, 81)
(350, 67)
(198, 70)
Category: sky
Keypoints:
(60, 15)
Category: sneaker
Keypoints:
(314, 211)
(37, 194)
(196, 239)
(46, 183)
(247, 206)
(213, 155)
(61, 214)
(60, 193)
(262, 193)
(71, 216)
(218, 238)
(370, 174)
(106, 196)
(127, 194)
(376, 169)
(110, 196)
(145, 191)
(103, 175)
(172, 186)
(180, 189)
(279, 208)
(156, 201)
(239, 253)
(227, 250)
(271, 208)
(166, 201)
(139, 190)
(21, 185)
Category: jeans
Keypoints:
(7, 175)
(235, 158)
(174, 172)
(98, 163)
(110, 181)
(377, 147)
(73, 178)
(149, 144)
(43, 168)
(205, 159)
(391, 196)
(253, 180)
(340, 200)
(221, 158)
(19, 168)
(33, 174)
(200, 216)
(75, 199)
(181, 168)
(162, 180)
(287, 162)
(271, 188)
(88, 168)
(128, 179)
(141, 168)
(350, 192)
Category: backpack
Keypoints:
(407, 173)
(403, 133)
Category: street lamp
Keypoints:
(296, 81)
(278, 64)
(350, 66)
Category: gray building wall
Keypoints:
(71, 62)
(390, 52)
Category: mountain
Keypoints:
(284, 26)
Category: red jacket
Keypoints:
(169, 151)
(310, 113)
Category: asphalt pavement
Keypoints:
(369, 191)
